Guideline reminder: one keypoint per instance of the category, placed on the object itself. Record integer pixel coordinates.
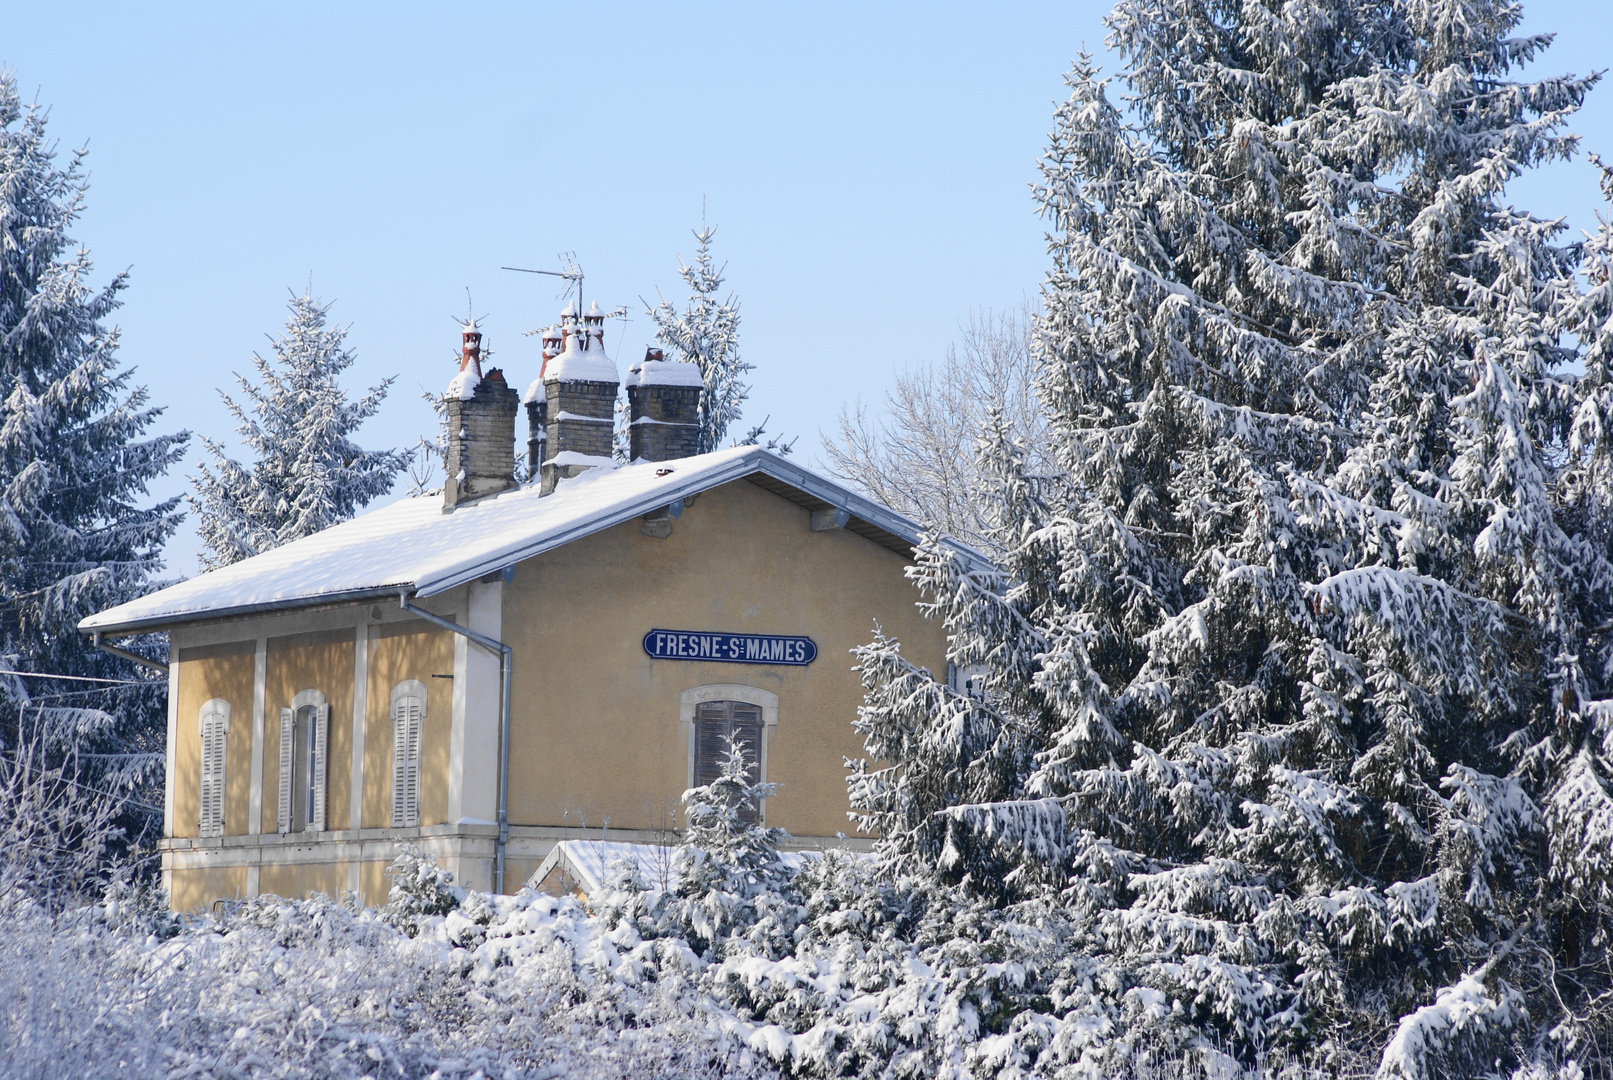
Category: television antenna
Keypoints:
(570, 271)
(573, 276)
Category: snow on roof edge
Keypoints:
(749, 461)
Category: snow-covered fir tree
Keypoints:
(78, 531)
(307, 474)
(706, 333)
(1299, 669)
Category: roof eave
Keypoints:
(166, 621)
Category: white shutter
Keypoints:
(400, 755)
(321, 735)
(288, 735)
(417, 709)
(408, 723)
(214, 723)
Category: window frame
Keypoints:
(318, 780)
(689, 702)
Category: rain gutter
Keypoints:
(503, 650)
(145, 661)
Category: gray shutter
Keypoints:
(321, 734)
(288, 735)
(711, 729)
(747, 729)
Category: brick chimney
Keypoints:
(579, 389)
(663, 402)
(481, 427)
(537, 404)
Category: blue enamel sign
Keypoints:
(730, 648)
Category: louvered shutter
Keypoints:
(711, 729)
(215, 725)
(408, 718)
(320, 733)
(400, 755)
(416, 717)
(288, 738)
(715, 721)
(747, 732)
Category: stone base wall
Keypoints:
(200, 873)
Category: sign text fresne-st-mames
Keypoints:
(730, 648)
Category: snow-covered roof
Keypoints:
(594, 864)
(415, 546)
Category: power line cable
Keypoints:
(82, 678)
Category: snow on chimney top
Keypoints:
(470, 355)
(553, 342)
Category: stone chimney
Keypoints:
(537, 405)
(579, 389)
(481, 427)
(663, 402)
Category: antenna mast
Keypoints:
(570, 272)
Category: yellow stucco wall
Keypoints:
(298, 881)
(225, 671)
(319, 661)
(397, 652)
(196, 889)
(595, 725)
(372, 883)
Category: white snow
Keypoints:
(574, 457)
(597, 864)
(415, 545)
(463, 386)
(583, 418)
(534, 392)
(577, 364)
(665, 373)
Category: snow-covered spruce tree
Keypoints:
(308, 474)
(77, 530)
(706, 333)
(728, 876)
(1298, 673)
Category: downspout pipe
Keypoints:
(503, 650)
(144, 661)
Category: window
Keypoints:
(710, 714)
(408, 720)
(969, 680)
(304, 733)
(214, 722)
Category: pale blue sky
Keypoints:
(868, 166)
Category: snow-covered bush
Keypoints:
(420, 890)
